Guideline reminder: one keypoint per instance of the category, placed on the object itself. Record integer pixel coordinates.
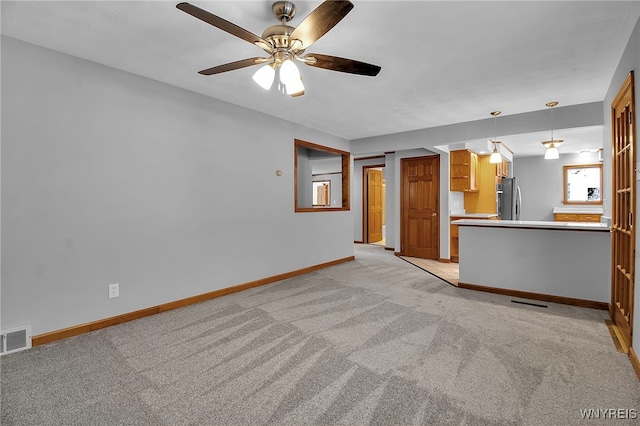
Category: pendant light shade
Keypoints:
(265, 76)
(289, 73)
(551, 153)
(295, 87)
(495, 158)
(552, 145)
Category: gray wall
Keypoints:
(536, 121)
(390, 212)
(541, 183)
(630, 61)
(305, 194)
(108, 177)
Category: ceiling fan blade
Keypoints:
(223, 24)
(335, 63)
(233, 66)
(320, 21)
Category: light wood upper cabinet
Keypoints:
(502, 169)
(464, 170)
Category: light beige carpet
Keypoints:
(374, 341)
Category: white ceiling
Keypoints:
(442, 62)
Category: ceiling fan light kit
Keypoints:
(284, 44)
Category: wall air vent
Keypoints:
(15, 339)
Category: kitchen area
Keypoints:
(538, 233)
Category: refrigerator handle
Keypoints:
(518, 203)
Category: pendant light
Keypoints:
(495, 155)
(552, 144)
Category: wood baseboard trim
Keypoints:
(52, 336)
(618, 342)
(358, 242)
(538, 296)
(635, 362)
(397, 253)
(390, 248)
(443, 260)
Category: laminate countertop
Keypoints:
(534, 224)
(475, 215)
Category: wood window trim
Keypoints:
(346, 178)
(564, 183)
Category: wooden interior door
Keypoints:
(623, 211)
(323, 195)
(375, 205)
(420, 203)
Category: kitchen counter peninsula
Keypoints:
(475, 216)
(563, 262)
(453, 229)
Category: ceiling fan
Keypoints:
(284, 44)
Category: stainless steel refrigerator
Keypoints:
(508, 199)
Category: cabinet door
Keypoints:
(502, 169)
(460, 156)
(454, 251)
(589, 218)
(463, 167)
(473, 171)
(564, 217)
(505, 168)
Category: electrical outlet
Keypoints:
(114, 290)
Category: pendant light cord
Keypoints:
(552, 126)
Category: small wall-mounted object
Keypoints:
(15, 339)
(278, 172)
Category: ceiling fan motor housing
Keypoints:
(278, 35)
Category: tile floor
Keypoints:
(446, 271)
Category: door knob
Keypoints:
(434, 214)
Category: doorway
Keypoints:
(419, 207)
(374, 205)
(623, 238)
